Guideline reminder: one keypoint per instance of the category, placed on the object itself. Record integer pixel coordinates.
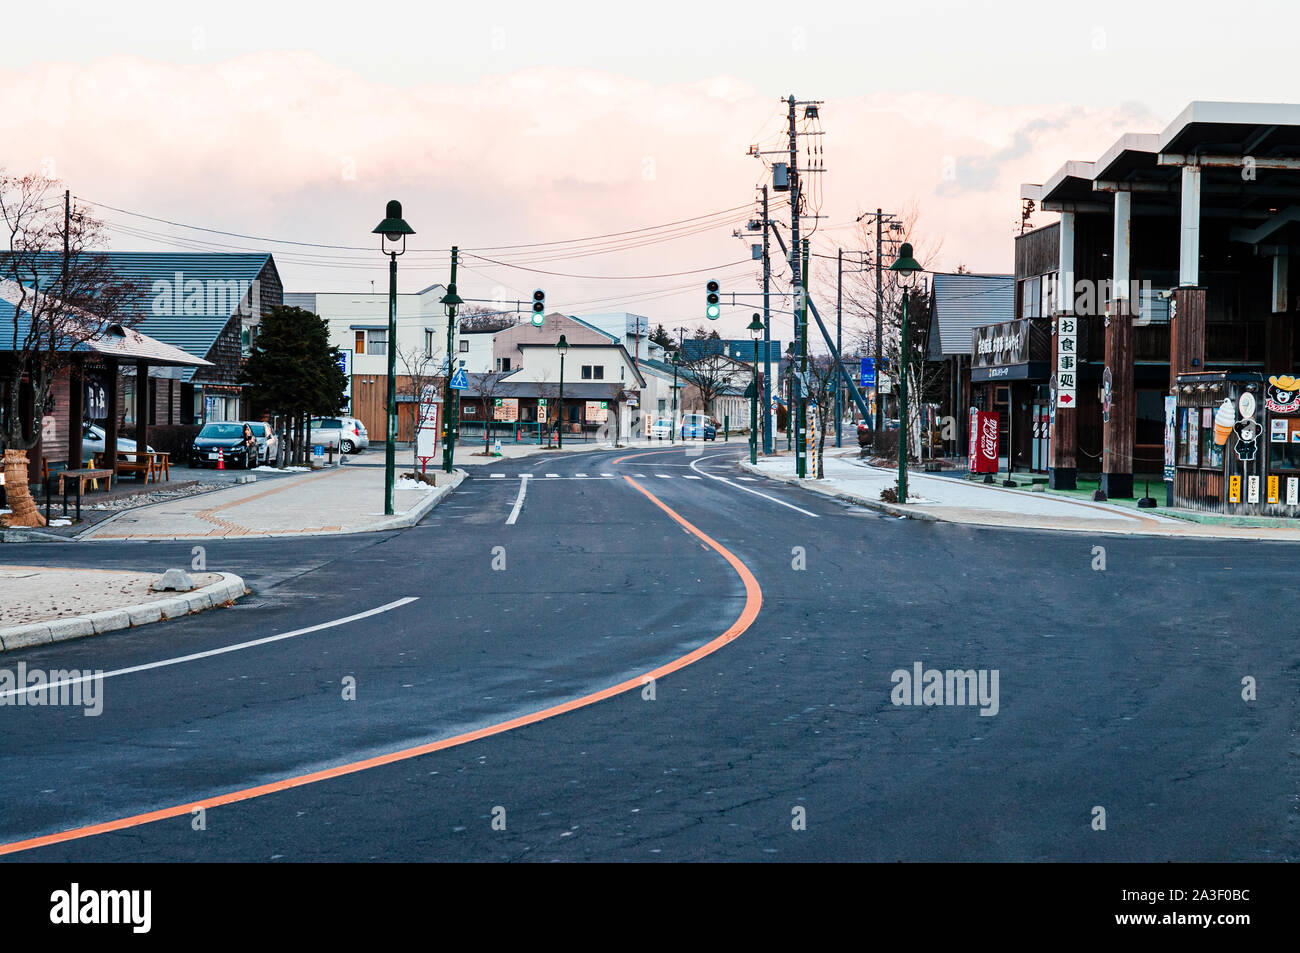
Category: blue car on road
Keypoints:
(699, 427)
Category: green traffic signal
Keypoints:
(712, 299)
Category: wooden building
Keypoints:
(1171, 259)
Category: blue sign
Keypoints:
(868, 372)
(460, 380)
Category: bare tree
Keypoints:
(923, 385)
(57, 303)
(422, 368)
(486, 387)
(711, 375)
(822, 382)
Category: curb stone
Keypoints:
(226, 589)
(878, 505)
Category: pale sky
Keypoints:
(509, 123)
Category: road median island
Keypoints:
(44, 605)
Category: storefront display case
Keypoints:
(1237, 443)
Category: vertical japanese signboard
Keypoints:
(1067, 359)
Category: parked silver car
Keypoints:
(339, 433)
(92, 442)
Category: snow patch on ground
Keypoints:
(266, 469)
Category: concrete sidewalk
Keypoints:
(39, 604)
(347, 499)
(957, 501)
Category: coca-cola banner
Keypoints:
(983, 442)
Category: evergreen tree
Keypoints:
(293, 370)
(665, 340)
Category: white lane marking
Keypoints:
(211, 652)
(664, 476)
(690, 478)
(498, 476)
(639, 476)
(714, 476)
(747, 479)
(552, 476)
(580, 474)
(607, 474)
(519, 500)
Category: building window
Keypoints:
(377, 342)
(464, 347)
(360, 342)
(503, 363)
(593, 372)
(428, 343)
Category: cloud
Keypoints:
(288, 144)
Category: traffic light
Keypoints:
(539, 307)
(712, 300)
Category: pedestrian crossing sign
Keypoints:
(460, 380)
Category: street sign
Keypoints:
(345, 365)
(1067, 360)
(460, 380)
(868, 372)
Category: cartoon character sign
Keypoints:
(1282, 396)
(1248, 431)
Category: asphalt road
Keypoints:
(1118, 688)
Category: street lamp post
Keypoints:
(394, 229)
(563, 347)
(450, 403)
(756, 332)
(905, 266)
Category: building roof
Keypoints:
(114, 340)
(1205, 133)
(195, 333)
(961, 303)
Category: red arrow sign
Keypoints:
(1066, 398)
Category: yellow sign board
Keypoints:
(1234, 489)
(1273, 489)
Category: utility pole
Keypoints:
(839, 344)
(797, 280)
(802, 449)
(880, 325)
(769, 418)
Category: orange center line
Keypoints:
(753, 602)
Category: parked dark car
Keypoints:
(226, 439)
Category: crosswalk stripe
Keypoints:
(639, 476)
(580, 474)
(664, 476)
(498, 476)
(552, 476)
(607, 474)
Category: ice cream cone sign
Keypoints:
(1224, 418)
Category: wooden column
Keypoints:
(1117, 429)
(76, 398)
(110, 422)
(1063, 472)
(1278, 343)
(1187, 334)
(141, 409)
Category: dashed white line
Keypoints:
(607, 474)
(690, 478)
(580, 474)
(519, 500)
(552, 476)
(664, 476)
(498, 476)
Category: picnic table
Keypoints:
(149, 464)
